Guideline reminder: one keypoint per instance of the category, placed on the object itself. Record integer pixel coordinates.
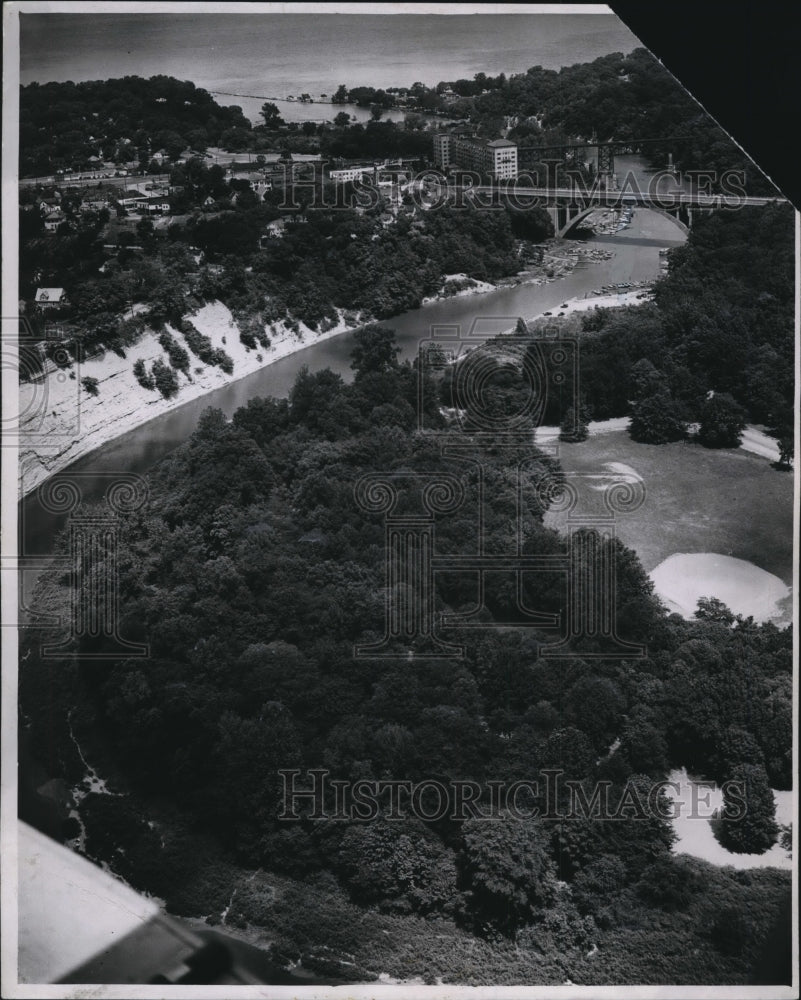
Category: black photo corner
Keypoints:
(741, 61)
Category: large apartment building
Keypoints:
(496, 157)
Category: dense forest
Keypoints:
(252, 573)
(65, 124)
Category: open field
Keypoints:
(696, 500)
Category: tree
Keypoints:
(164, 379)
(142, 377)
(507, 871)
(246, 759)
(786, 451)
(341, 96)
(145, 230)
(646, 380)
(643, 742)
(603, 878)
(399, 864)
(722, 422)
(668, 884)
(657, 420)
(90, 384)
(375, 350)
(748, 824)
(738, 746)
(785, 439)
(573, 427)
(712, 609)
(731, 931)
(342, 119)
(595, 705)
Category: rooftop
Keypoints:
(49, 294)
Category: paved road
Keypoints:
(760, 444)
(69, 181)
(667, 199)
(753, 440)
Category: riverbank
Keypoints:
(65, 422)
(457, 286)
(609, 300)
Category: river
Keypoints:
(636, 259)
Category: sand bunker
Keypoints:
(693, 804)
(748, 590)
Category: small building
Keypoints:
(52, 222)
(272, 231)
(346, 174)
(94, 205)
(50, 298)
(158, 206)
(136, 201)
(48, 206)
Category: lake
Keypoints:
(280, 54)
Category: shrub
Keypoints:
(224, 361)
(164, 379)
(144, 379)
(90, 384)
(179, 359)
(202, 346)
(574, 430)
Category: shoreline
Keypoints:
(131, 407)
(36, 468)
(124, 413)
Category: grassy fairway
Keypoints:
(696, 500)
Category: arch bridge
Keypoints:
(569, 206)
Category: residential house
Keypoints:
(49, 206)
(50, 298)
(53, 221)
(272, 231)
